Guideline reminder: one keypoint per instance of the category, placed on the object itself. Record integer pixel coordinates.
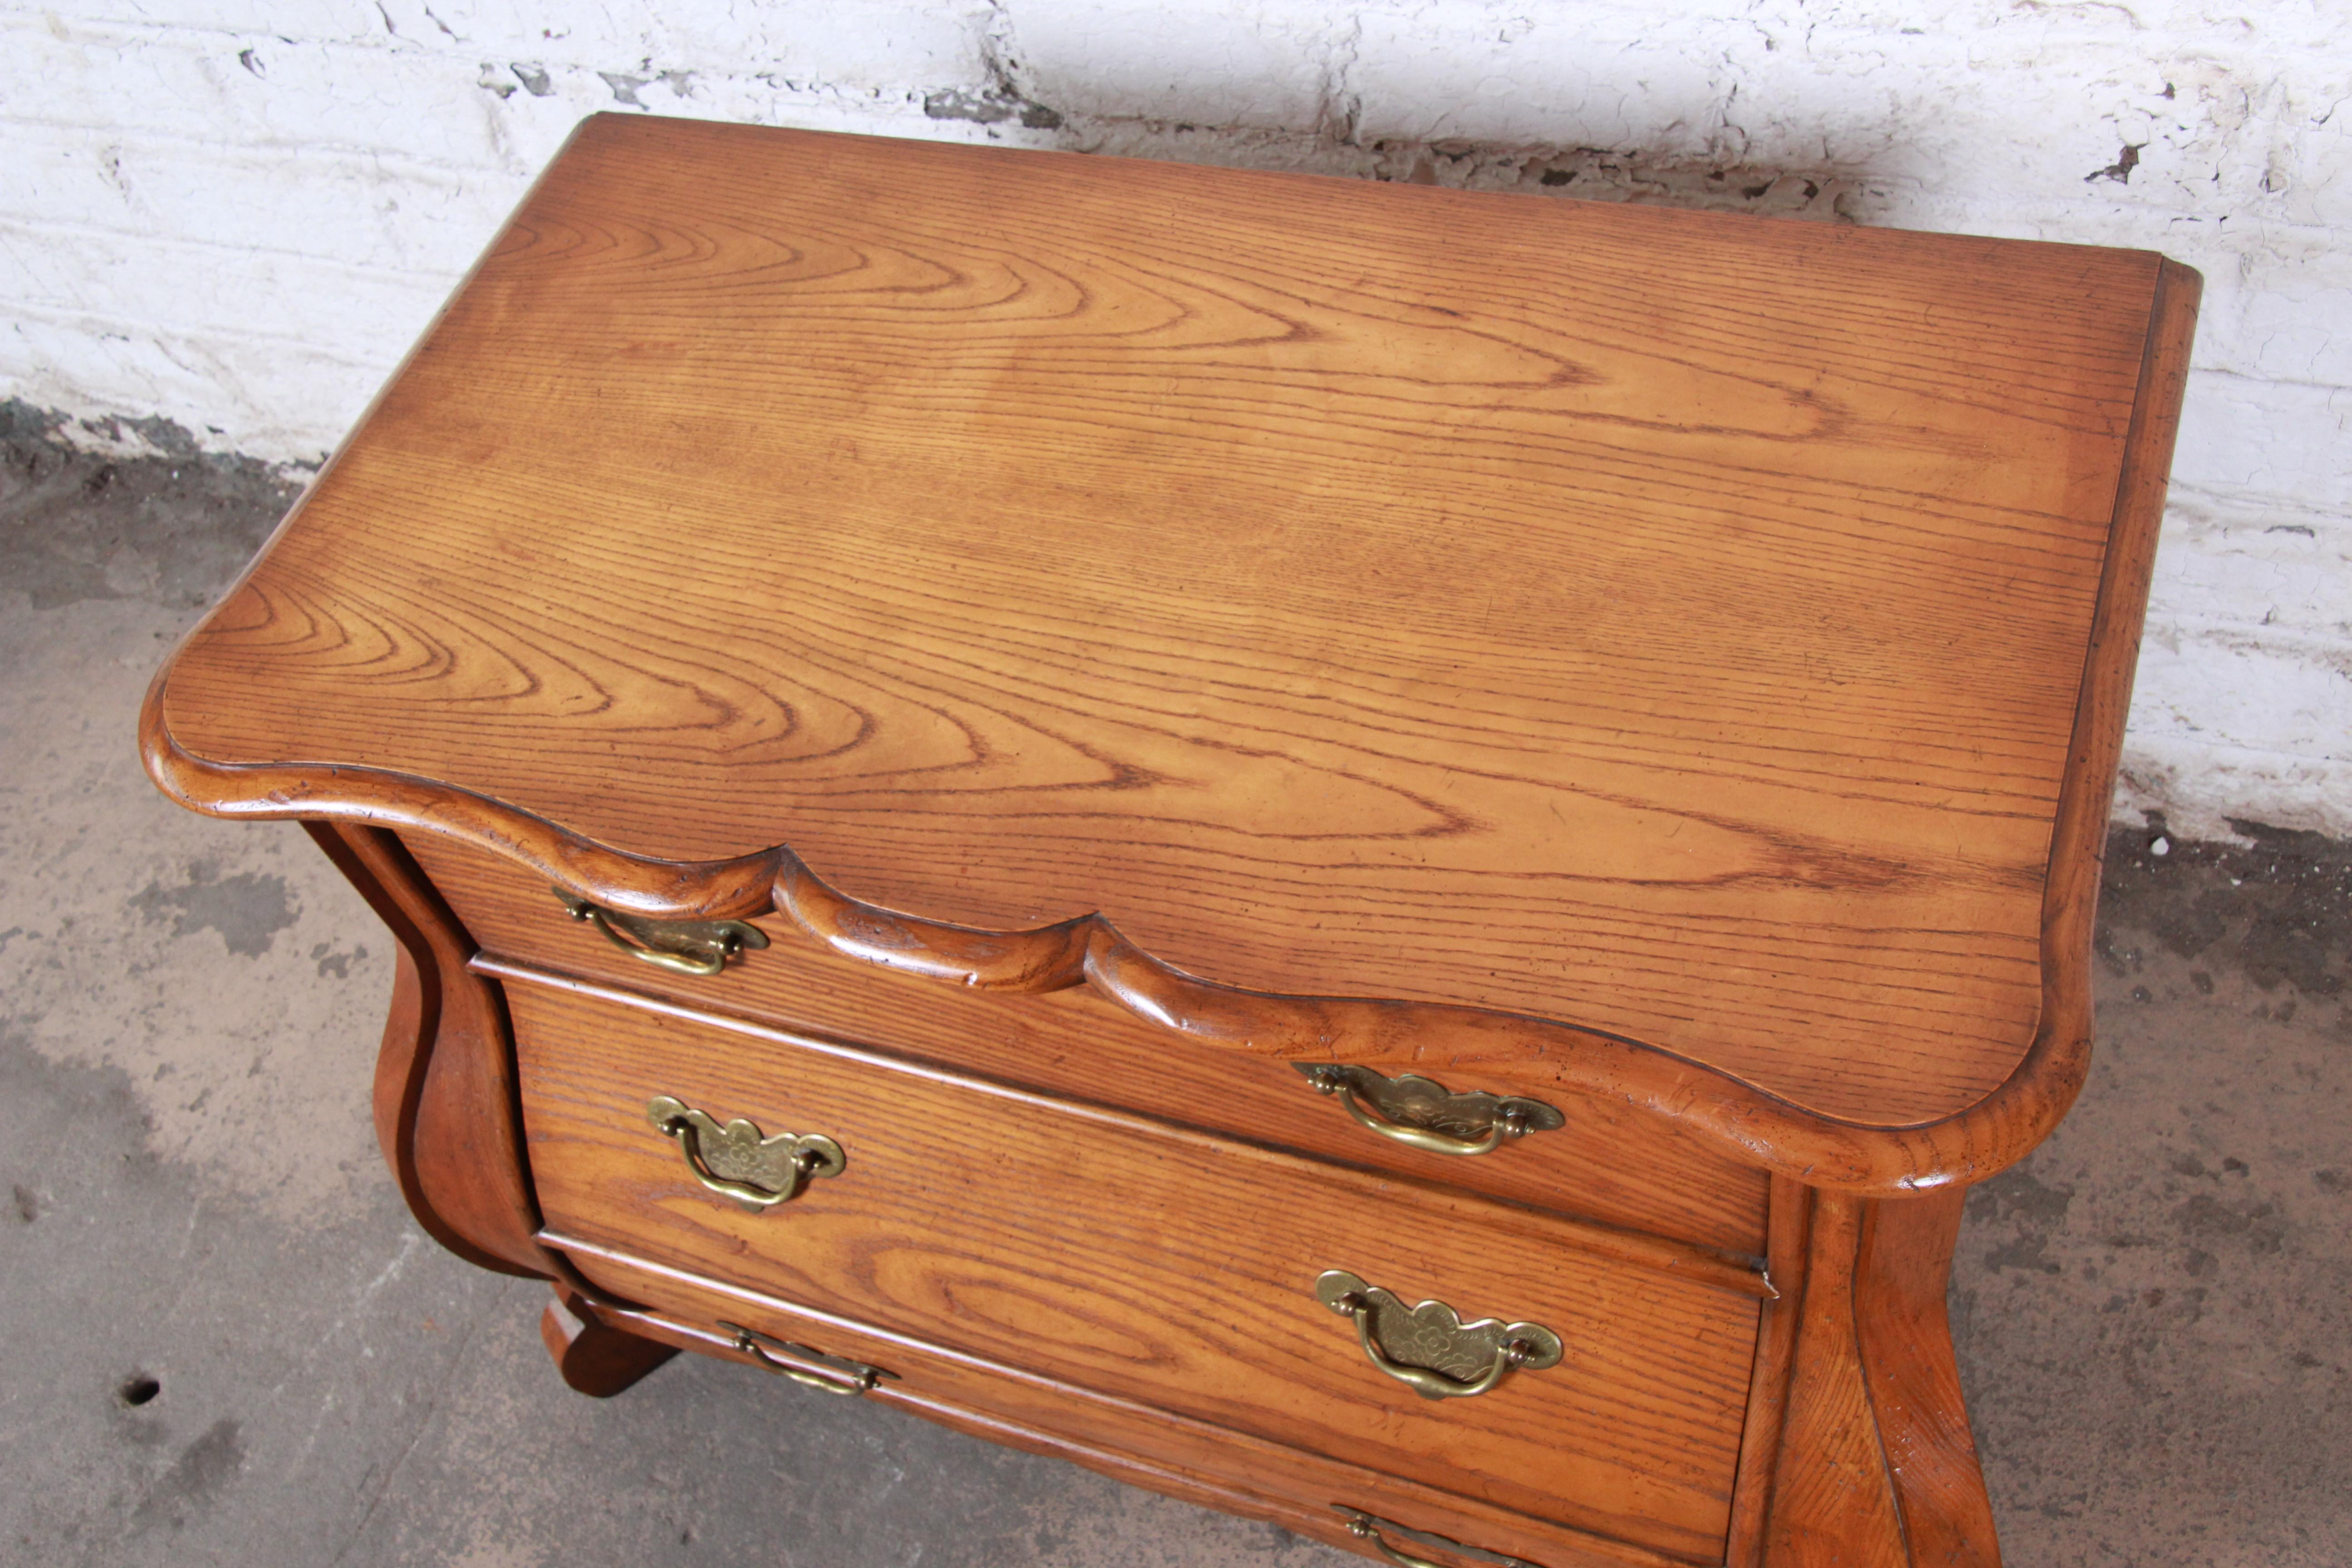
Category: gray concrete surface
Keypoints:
(222, 1341)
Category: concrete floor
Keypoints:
(223, 1341)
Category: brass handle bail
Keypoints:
(1425, 1114)
(682, 947)
(1451, 1359)
(1372, 1528)
(734, 1161)
(810, 1369)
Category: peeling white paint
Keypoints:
(239, 214)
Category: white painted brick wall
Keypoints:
(239, 214)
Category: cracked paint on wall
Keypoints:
(240, 225)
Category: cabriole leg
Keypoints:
(1876, 1466)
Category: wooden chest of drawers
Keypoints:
(1377, 856)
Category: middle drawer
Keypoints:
(1159, 1263)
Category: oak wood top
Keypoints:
(1666, 623)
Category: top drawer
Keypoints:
(1605, 1161)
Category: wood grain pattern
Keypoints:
(1169, 1268)
(1145, 1445)
(1607, 1161)
(1668, 624)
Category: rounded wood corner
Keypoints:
(377, 797)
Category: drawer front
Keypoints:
(1207, 1464)
(1155, 1264)
(1606, 1160)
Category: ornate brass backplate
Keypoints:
(1424, 1113)
(1428, 1347)
(683, 947)
(734, 1161)
(1372, 1528)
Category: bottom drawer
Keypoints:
(1163, 1267)
(1201, 1463)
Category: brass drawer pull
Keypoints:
(735, 1162)
(1371, 1527)
(1428, 1347)
(810, 1369)
(1423, 1113)
(682, 947)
